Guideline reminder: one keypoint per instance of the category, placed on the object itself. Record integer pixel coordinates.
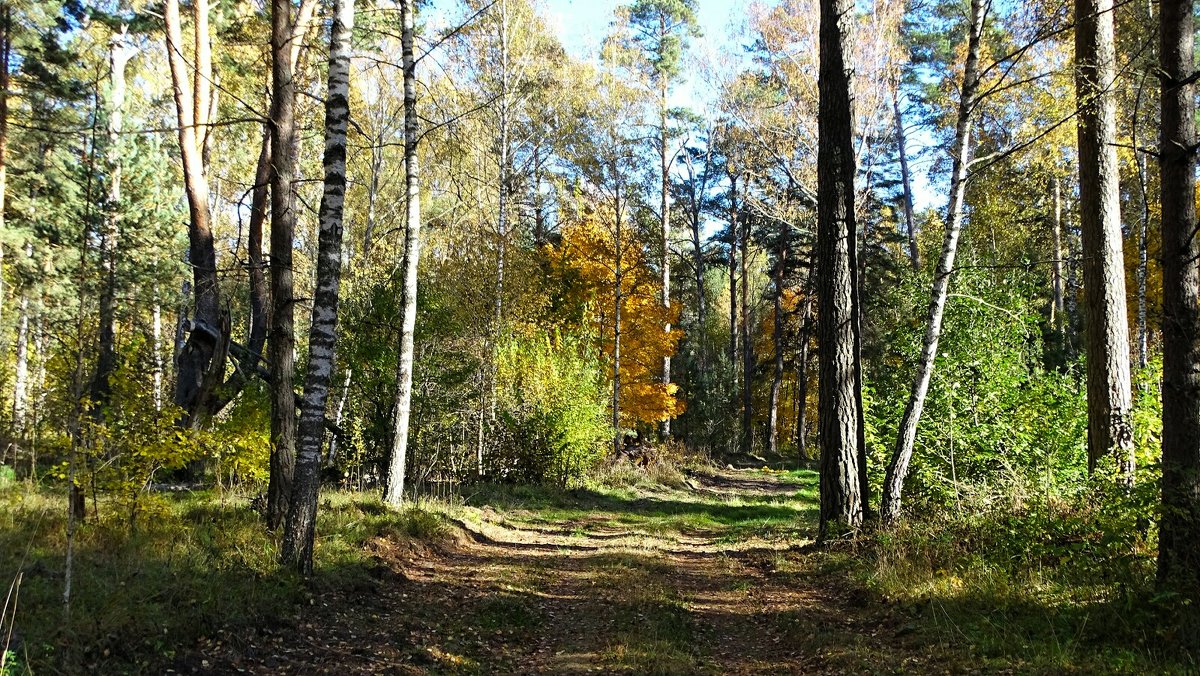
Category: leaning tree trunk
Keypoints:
(1179, 530)
(1110, 403)
(302, 517)
(408, 265)
(201, 354)
(840, 404)
(256, 337)
(914, 253)
(282, 343)
(897, 471)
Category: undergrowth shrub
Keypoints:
(551, 410)
(1033, 570)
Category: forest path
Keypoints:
(716, 576)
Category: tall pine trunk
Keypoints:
(259, 318)
(733, 274)
(282, 345)
(1179, 530)
(302, 516)
(841, 414)
(21, 376)
(408, 265)
(120, 51)
(897, 471)
(1143, 330)
(777, 335)
(618, 299)
(1110, 403)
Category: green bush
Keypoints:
(552, 420)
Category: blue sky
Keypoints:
(583, 24)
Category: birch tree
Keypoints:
(408, 265)
(897, 470)
(302, 516)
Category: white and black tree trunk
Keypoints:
(1179, 530)
(1110, 403)
(897, 470)
(322, 336)
(841, 414)
(282, 340)
(408, 265)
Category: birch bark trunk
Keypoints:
(408, 265)
(897, 470)
(300, 532)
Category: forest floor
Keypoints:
(715, 576)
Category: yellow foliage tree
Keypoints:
(601, 261)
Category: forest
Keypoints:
(565, 336)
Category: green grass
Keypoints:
(202, 562)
